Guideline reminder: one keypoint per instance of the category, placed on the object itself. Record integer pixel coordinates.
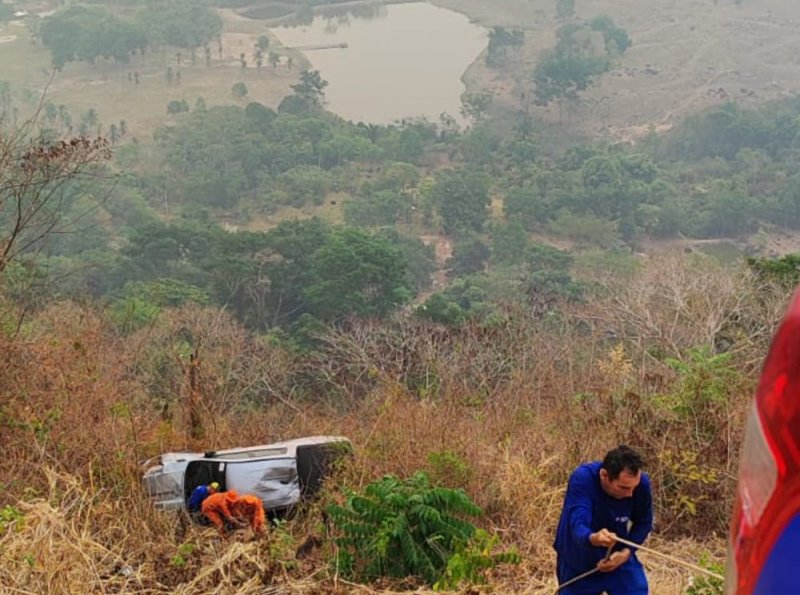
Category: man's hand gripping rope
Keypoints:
(613, 560)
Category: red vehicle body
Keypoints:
(764, 556)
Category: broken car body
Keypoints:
(281, 474)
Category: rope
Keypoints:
(576, 579)
(587, 573)
(689, 565)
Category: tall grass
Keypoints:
(503, 410)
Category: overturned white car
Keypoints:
(281, 474)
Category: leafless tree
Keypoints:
(36, 170)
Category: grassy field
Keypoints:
(107, 88)
(687, 55)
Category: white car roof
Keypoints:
(287, 447)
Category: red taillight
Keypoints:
(769, 472)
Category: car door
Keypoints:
(203, 472)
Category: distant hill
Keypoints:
(686, 56)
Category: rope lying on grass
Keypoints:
(688, 565)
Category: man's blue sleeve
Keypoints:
(642, 513)
(578, 506)
(197, 497)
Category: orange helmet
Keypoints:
(231, 495)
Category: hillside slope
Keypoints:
(687, 55)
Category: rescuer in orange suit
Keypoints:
(251, 509)
(217, 508)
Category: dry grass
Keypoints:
(81, 404)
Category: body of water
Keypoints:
(401, 60)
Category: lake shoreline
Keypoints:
(322, 10)
(438, 45)
(473, 78)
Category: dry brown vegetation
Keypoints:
(515, 405)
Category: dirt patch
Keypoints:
(444, 251)
(773, 243)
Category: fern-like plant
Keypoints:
(400, 528)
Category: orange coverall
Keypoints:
(217, 508)
(251, 509)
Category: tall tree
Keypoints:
(309, 94)
(462, 197)
(181, 24)
(569, 68)
(356, 273)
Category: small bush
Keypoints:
(472, 560)
(239, 90)
(8, 517)
(184, 552)
(708, 585)
(449, 468)
(177, 106)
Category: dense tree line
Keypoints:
(83, 33)
(299, 269)
(180, 24)
(725, 173)
(219, 156)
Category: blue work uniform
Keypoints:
(587, 509)
(199, 494)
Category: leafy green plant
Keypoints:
(180, 558)
(8, 516)
(471, 561)
(705, 378)
(401, 527)
(688, 478)
(705, 383)
(784, 271)
(708, 585)
(449, 468)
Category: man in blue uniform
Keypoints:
(199, 494)
(605, 500)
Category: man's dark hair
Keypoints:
(622, 458)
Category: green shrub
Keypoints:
(401, 528)
(10, 515)
(471, 561)
(705, 384)
(449, 468)
(282, 546)
(708, 585)
(184, 552)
